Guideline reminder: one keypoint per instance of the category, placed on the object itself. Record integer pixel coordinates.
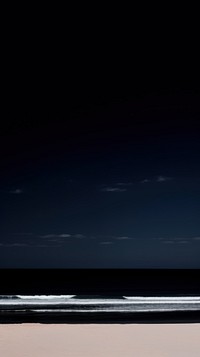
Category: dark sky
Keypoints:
(101, 180)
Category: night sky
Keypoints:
(102, 182)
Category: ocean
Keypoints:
(95, 304)
(98, 309)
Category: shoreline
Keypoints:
(172, 317)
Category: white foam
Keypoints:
(45, 297)
(163, 298)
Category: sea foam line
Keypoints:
(42, 297)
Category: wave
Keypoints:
(144, 309)
(5, 297)
(163, 298)
(44, 297)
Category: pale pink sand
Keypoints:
(35, 340)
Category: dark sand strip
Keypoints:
(27, 316)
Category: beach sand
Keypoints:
(132, 340)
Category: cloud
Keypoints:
(124, 184)
(43, 240)
(103, 238)
(113, 189)
(116, 187)
(196, 238)
(63, 235)
(177, 241)
(78, 235)
(58, 236)
(123, 238)
(106, 243)
(17, 191)
(47, 245)
(145, 181)
(14, 244)
(28, 245)
(48, 236)
(158, 179)
(162, 178)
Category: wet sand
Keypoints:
(140, 340)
